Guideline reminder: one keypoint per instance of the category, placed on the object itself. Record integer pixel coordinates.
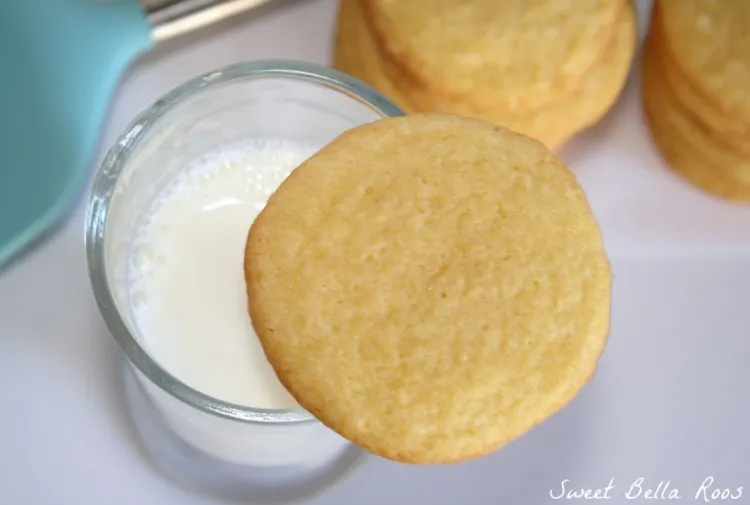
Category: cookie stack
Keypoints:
(545, 68)
(696, 91)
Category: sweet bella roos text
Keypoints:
(639, 489)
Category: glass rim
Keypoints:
(106, 181)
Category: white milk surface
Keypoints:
(186, 276)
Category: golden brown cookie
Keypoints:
(358, 55)
(687, 147)
(516, 55)
(430, 287)
(708, 42)
(355, 53)
(728, 130)
(599, 91)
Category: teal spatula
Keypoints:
(61, 60)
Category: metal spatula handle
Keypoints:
(170, 18)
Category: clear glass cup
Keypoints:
(234, 451)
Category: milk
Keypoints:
(186, 281)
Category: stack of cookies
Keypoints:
(545, 68)
(696, 91)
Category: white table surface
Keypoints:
(669, 401)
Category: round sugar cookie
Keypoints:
(430, 287)
(688, 149)
(358, 55)
(355, 53)
(709, 41)
(729, 130)
(517, 55)
(555, 124)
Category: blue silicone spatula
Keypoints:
(61, 61)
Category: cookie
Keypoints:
(708, 43)
(430, 287)
(688, 148)
(514, 56)
(357, 54)
(555, 124)
(600, 89)
(729, 130)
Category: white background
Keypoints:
(669, 401)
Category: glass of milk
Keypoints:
(165, 237)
